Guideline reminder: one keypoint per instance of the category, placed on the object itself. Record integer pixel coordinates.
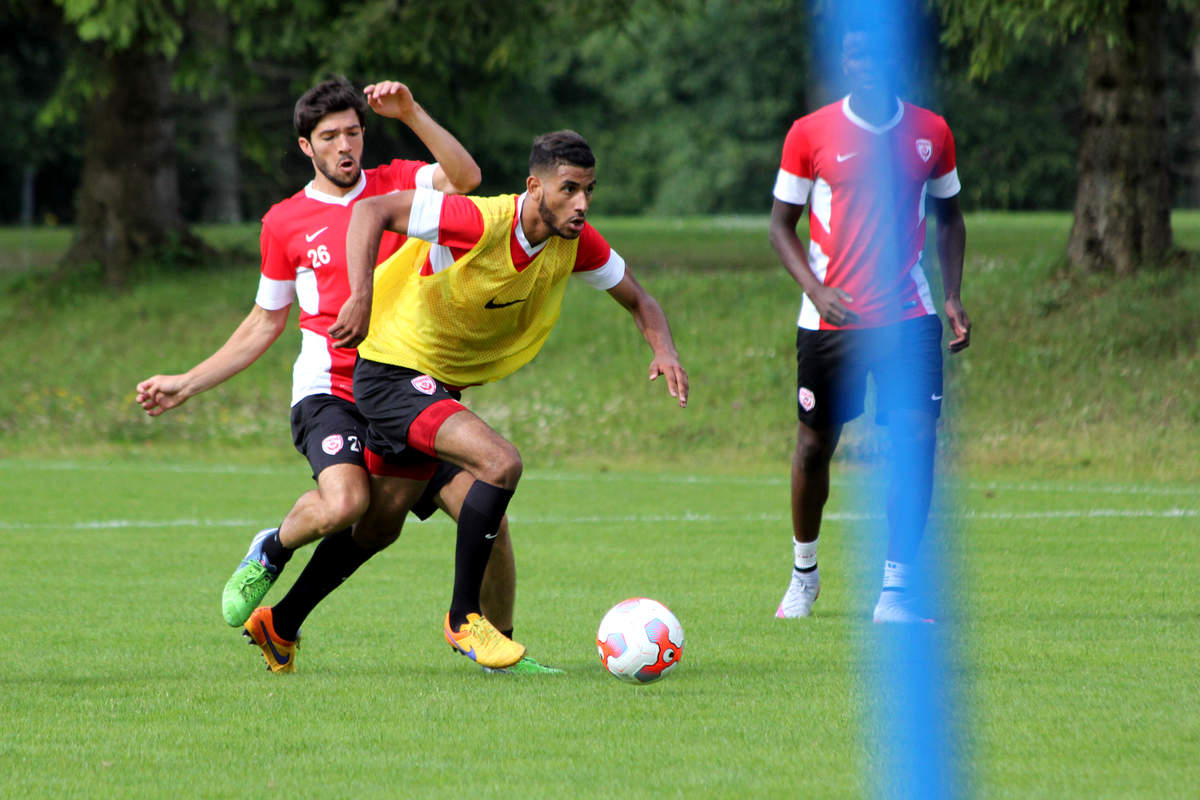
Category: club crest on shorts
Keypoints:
(924, 149)
(333, 444)
(424, 384)
(808, 400)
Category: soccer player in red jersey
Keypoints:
(303, 246)
(864, 166)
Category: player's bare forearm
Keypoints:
(457, 171)
(951, 244)
(652, 324)
(257, 332)
(369, 219)
(781, 231)
(832, 303)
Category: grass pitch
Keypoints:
(1074, 415)
(1077, 644)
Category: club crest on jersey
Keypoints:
(424, 384)
(924, 149)
(808, 400)
(332, 445)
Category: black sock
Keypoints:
(508, 633)
(334, 560)
(478, 522)
(276, 553)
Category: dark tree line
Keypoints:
(138, 117)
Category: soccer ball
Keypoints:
(639, 640)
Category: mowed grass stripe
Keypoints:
(571, 476)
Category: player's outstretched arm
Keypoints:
(258, 331)
(457, 172)
(952, 245)
(652, 322)
(369, 219)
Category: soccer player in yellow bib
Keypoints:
(470, 298)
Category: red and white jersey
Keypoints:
(303, 245)
(866, 186)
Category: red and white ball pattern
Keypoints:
(639, 640)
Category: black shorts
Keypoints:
(404, 409)
(328, 430)
(322, 423)
(904, 359)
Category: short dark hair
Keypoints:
(327, 97)
(560, 147)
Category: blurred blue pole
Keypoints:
(912, 731)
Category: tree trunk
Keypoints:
(217, 143)
(1193, 137)
(1123, 199)
(128, 200)
(222, 202)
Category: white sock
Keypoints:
(806, 554)
(896, 575)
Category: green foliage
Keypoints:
(123, 24)
(991, 29)
(1015, 149)
(685, 101)
(688, 102)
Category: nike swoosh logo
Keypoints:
(935, 397)
(308, 237)
(840, 159)
(491, 535)
(280, 657)
(493, 304)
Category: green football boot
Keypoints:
(249, 583)
(526, 666)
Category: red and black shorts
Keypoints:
(328, 430)
(904, 359)
(404, 409)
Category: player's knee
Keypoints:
(374, 538)
(813, 451)
(343, 509)
(503, 467)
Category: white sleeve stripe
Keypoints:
(792, 188)
(607, 276)
(426, 215)
(424, 176)
(945, 186)
(274, 295)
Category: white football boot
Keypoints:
(801, 593)
(897, 608)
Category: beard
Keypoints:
(335, 178)
(551, 221)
